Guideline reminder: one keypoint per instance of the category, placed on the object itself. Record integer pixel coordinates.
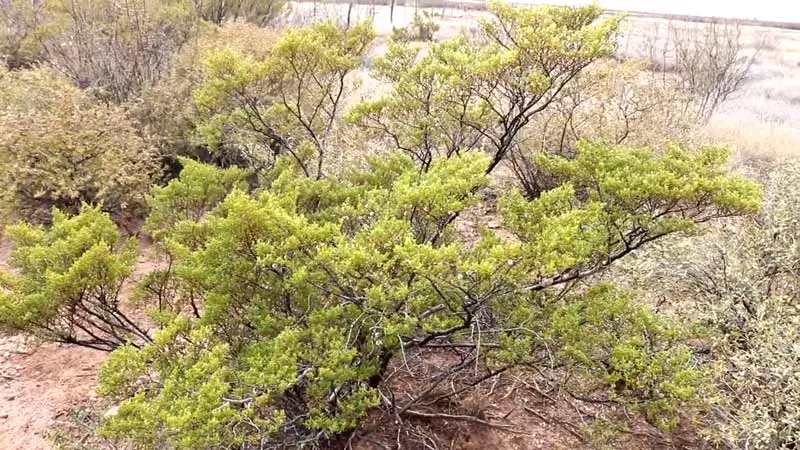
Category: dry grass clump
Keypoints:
(753, 139)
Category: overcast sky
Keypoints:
(775, 10)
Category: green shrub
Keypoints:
(286, 102)
(291, 295)
(198, 190)
(630, 352)
(462, 94)
(306, 292)
(165, 111)
(175, 211)
(66, 282)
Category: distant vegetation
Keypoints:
(322, 230)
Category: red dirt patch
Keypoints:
(38, 389)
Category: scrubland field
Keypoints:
(256, 225)
(760, 119)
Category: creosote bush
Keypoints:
(611, 102)
(288, 101)
(166, 112)
(467, 94)
(305, 292)
(66, 282)
(625, 349)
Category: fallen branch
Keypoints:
(460, 417)
(565, 425)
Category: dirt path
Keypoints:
(38, 389)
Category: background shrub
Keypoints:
(59, 148)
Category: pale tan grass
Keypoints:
(753, 139)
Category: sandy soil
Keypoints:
(39, 387)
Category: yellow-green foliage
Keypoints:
(626, 348)
(59, 148)
(305, 292)
(289, 294)
(198, 190)
(166, 111)
(66, 280)
(285, 102)
(175, 211)
(464, 94)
